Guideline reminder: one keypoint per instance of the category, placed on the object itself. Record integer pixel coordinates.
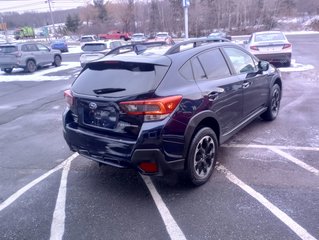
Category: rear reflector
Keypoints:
(286, 46)
(152, 109)
(254, 48)
(68, 97)
(148, 167)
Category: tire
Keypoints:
(202, 156)
(8, 70)
(57, 61)
(288, 63)
(274, 104)
(31, 66)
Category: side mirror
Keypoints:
(263, 66)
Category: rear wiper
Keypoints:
(108, 90)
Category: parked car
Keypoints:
(115, 35)
(271, 46)
(60, 45)
(88, 38)
(28, 55)
(163, 36)
(95, 50)
(218, 35)
(138, 38)
(168, 108)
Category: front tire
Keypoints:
(274, 104)
(202, 156)
(57, 61)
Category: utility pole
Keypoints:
(186, 4)
(51, 14)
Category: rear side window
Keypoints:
(118, 79)
(8, 49)
(214, 64)
(186, 71)
(94, 47)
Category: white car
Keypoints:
(96, 50)
(271, 46)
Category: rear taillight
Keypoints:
(152, 109)
(288, 45)
(68, 97)
(254, 48)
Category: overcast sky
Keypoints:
(39, 5)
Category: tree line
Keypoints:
(149, 16)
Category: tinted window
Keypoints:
(214, 64)
(242, 62)
(42, 47)
(131, 78)
(186, 71)
(8, 49)
(94, 47)
(31, 47)
(198, 69)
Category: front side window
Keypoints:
(214, 64)
(242, 62)
(42, 47)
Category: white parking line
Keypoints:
(295, 161)
(294, 226)
(277, 150)
(316, 149)
(21, 191)
(58, 222)
(172, 228)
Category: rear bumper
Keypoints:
(275, 57)
(118, 153)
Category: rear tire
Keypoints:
(274, 104)
(202, 156)
(8, 70)
(288, 63)
(31, 66)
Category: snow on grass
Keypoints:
(39, 75)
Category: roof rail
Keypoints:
(196, 43)
(138, 48)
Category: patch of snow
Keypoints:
(296, 67)
(74, 49)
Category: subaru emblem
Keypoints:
(92, 105)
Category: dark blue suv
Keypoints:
(165, 108)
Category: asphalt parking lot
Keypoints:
(266, 185)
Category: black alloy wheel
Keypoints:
(202, 156)
(274, 104)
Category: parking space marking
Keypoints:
(58, 222)
(295, 161)
(24, 189)
(294, 226)
(277, 150)
(172, 228)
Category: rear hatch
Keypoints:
(102, 86)
(8, 54)
(93, 51)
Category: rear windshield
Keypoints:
(119, 79)
(269, 37)
(162, 35)
(8, 49)
(94, 47)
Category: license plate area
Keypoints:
(105, 117)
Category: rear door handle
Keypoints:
(214, 94)
(246, 84)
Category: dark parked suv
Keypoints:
(169, 107)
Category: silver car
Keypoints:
(271, 46)
(96, 50)
(138, 38)
(28, 55)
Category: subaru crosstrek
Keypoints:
(168, 108)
